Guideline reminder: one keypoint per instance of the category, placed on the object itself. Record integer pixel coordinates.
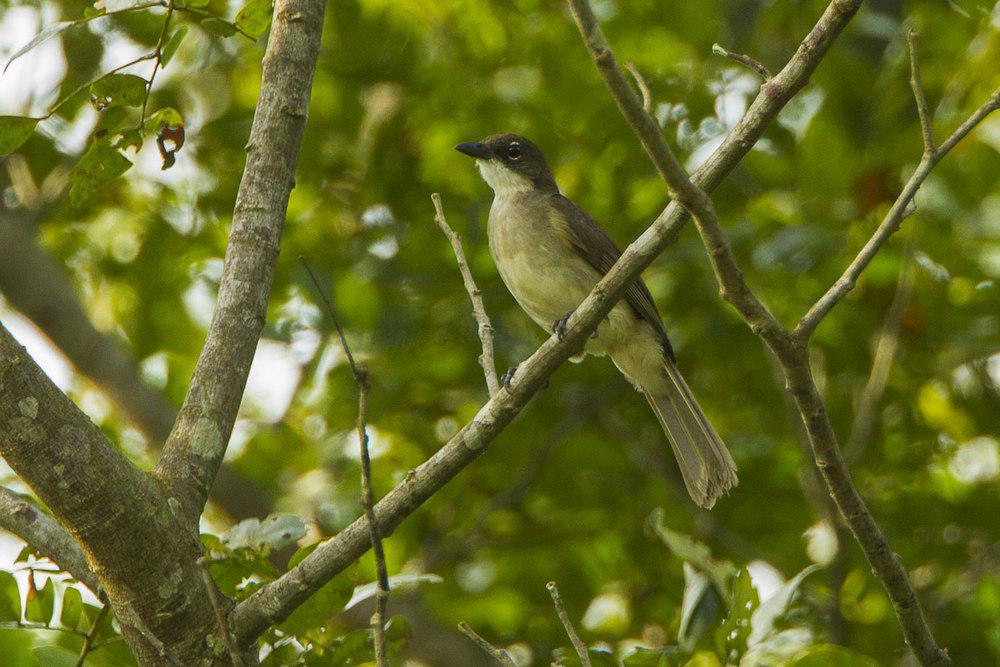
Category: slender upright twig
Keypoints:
(578, 645)
(367, 497)
(220, 615)
(88, 641)
(500, 655)
(755, 65)
(485, 328)
(885, 353)
(157, 61)
(923, 111)
(640, 81)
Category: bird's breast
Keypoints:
(545, 277)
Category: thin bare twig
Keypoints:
(478, 310)
(578, 645)
(88, 641)
(500, 655)
(157, 62)
(640, 81)
(900, 209)
(885, 353)
(755, 65)
(918, 95)
(367, 497)
(220, 616)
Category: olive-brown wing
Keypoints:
(591, 242)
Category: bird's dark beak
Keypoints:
(477, 150)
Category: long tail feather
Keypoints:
(705, 463)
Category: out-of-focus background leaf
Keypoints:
(565, 493)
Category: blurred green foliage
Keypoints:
(565, 493)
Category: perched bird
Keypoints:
(550, 255)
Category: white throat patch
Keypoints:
(503, 180)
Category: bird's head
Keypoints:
(510, 163)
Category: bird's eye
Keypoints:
(514, 152)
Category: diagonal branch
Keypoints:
(478, 310)
(789, 349)
(682, 190)
(276, 600)
(574, 638)
(926, 128)
(44, 534)
(194, 451)
(900, 209)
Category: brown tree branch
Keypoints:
(39, 288)
(733, 287)
(276, 600)
(578, 645)
(194, 451)
(748, 62)
(45, 535)
(478, 310)
(114, 511)
(500, 655)
(890, 223)
(790, 350)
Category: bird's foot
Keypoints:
(559, 326)
(508, 377)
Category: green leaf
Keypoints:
(366, 591)
(72, 615)
(171, 46)
(53, 656)
(38, 608)
(321, 607)
(45, 35)
(118, 90)
(195, 3)
(731, 636)
(101, 164)
(129, 138)
(770, 610)
(14, 131)
(165, 117)
(693, 551)
(219, 27)
(274, 532)
(255, 17)
(826, 655)
(700, 607)
(10, 598)
(653, 657)
(300, 555)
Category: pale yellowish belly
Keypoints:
(548, 280)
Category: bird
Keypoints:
(550, 254)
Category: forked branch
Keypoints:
(789, 349)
